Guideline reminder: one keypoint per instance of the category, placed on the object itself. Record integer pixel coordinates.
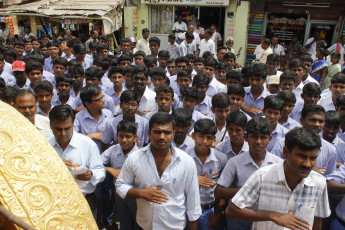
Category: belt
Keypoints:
(207, 206)
(341, 221)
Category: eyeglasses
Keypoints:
(130, 105)
(98, 99)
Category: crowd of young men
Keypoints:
(187, 142)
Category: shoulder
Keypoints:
(184, 157)
(107, 113)
(318, 179)
(274, 158)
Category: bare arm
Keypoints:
(317, 223)
(222, 192)
(335, 188)
(193, 225)
(95, 136)
(151, 194)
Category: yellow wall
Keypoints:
(143, 18)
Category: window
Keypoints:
(162, 19)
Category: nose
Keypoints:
(307, 163)
(259, 141)
(27, 110)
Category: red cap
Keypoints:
(18, 66)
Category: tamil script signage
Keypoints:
(188, 2)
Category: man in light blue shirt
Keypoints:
(76, 149)
(53, 52)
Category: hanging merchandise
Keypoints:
(9, 23)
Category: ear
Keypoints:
(246, 137)
(285, 152)
(87, 104)
(193, 135)
(301, 121)
(212, 109)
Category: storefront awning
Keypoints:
(110, 11)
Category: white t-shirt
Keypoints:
(207, 46)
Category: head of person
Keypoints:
(257, 76)
(229, 42)
(204, 134)
(19, 48)
(233, 77)
(332, 125)
(139, 78)
(301, 151)
(272, 82)
(45, 38)
(184, 79)
(80, 51)
(44, 91)
(26, 103)
(77, 75)
(210, 67)
(213, 27)
(8, 95)
(201, 82)
(92, 98)
(116, 76)
(146, 33)
(171, 66)
(128, 72)
(340, 105)
(199, 65)
(220, 106)
(63, 85)
(180, 18)
(53, 49)
(191, 28)
(34, 71)
(93, 76)
(139, 57)
(189, 37)
(154, 44)
(44, 50)
(102, 63)
(258, 135)
(313, 117)
(125, 60)
(236, 123)
(181, 63)
(163, 57)
(150, 62)
(18, 70)
(28, 45)
(101, 50)
(103, 39)
(27, 29)
(298, 69)
(274, 40)
(265, 44)
(337, 85)
(273, 107)
(129, 103)
(308, 62)
(60, 66)
(61, 123)
(161, 131)
(171, 38)
(126, 135)
(335, 57)
(208, 34)
(125, 45)
(287, 81)
(164, 98)
(289, 99)
(311, 93)
(94, 34)
(221, 71)
(190, 98)
(236, 93)
(183, 122)
(272, 62)
(158, 76)
(221, 51)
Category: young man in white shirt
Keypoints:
(207, 44)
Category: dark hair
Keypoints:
(156, 40)
(229, 55)
(189, 35)
(340, 101)
(35, 58)
(150, 60)
(101, 47)
(259, 125)
(336, 54)
(311, 88)
(103, 37)
(63, 78)
(220, 100)
(129, 95)
(171, 60)
(266, 41)
(183, 73)
(52, 44)
(222, 65)
(200, 79)
(125, 40)
(139, 69)
(27, 40)
(206, 55)
(205, 126)
(2, 83)
(79, 48)
(93, 72)
(165, 89)
(273, 102)
(273, 57)
(9, 93)
(237, 118)
(115, 69)
(338, 78)
(30, 66)
(76, 69)
(221, 48)
(333, 118)
(157, 71)
(172, 36)
(23, 92)
(237, 90)
(312, 108)
(287, 75)
(61, 113)
(211, 62)
(89, 91)
(182, 116)
(303, 138)
(296, 63)
(164, 53)
(124, 57)
(234, 74)
(129, 69)
(139, 53)
(258, 70)
(127, 126)
(161, 118)
(44, 85)
(287, 96)
(145, 30)
(306, 58)
(191, 92)
(61, 61)
(93, 45)
(19, 43)
(199, 59)
(182, 59)
(102, 61)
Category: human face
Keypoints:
(287, 108)
(2, 65)
(129, 108)
(221, 113)
(53, 52)
(191, 28)
(172, 68)
(294, 40)
(162, 62)
(20, 76)
(229, 43)
(189, 103)
(330, 132)
(103, 42)
(300, 161)
(161, 136)
(27, 106)
(257, 143)
(256, 83)
(35, 76)
(149, 67)
(59, 69)
(199, 67)
(92, 81)
(181, 65)
(341, 110)
(337, 90)
(97, 102)
(126, 140)
(103, 52)
(28, 47)
(139, 60)
(231, 81)
(221, 76)
(62, 130)
(45, 40)
(314, 121)
(44, 98)
(274, 41)
(164, 101)
(236, 133)
(209, 71)
(334, 59)
(19, 50)
(35, 45)
(202, 88)
(125, 46)
(299, 72)
(287, 84)
(273, 88)
(310, 98)
(64, 88)
(230, 62)
(183, 82)
(181, 130)
(117, 79)
(124, 63)
(80, 56)
(307, 66)
(157, 80)
(272, 115)
(203, 141)
(44, 52)
(154, 47)
(146, 35)
(77, 80)
(213, 28)
(272, 65)
(220, 54)
(128, 79)
(139, 81)
(236, 102)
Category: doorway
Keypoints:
(213, 15)
(327, 31)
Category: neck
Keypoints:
(129, 149)
(290, 178)
(77, 89)
(46, 110)
(68, 52)
(159, 153)
(330, 140)
(32, 120)
(64, 98)
(282, 119)
(334, 99)
(304, 77)
(258, 157)
(179, 141)
(118, 88)
(257, 92)
(220, 123)
(21, 83)
(128, 118)
(274, 126)
(94, 113)
(201, 153)
(140, 92)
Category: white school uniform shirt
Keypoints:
(326, 102)
(207, 46)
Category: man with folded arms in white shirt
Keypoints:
(163, 179)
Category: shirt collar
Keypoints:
(175, 154)
(249, 159)
(120, 152)
(211, 156)
(73, 142)
(280, 176)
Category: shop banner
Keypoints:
(285, 26)
(188, 2)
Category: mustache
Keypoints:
(305, 168)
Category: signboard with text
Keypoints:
(188, 2)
